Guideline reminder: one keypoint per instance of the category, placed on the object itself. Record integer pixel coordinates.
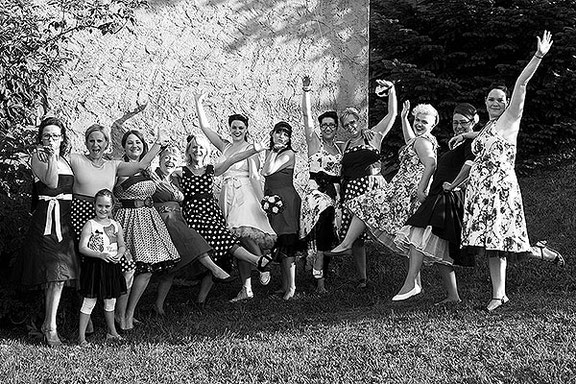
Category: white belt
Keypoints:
(53, 210)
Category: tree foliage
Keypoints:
(451, 51)
(32, 53)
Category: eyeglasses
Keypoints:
(51, 137)
(327, 125)
(456, 123)
(352, 123)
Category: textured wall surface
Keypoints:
(248, 56)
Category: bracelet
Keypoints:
(538, 57)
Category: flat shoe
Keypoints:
(242, 295)
(405, 296)
(317, 273)
(549, 254)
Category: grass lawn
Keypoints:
(346, 336)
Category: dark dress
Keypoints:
(441, 212)
(48, 255)
(285, 223)
(201, 212)
(188, 242)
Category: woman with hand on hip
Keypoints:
(241, 193)
(384, 210)
(432, 234)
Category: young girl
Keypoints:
(102, 245)
(279, 172)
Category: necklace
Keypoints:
(100, 162)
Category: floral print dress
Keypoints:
(493, 211)
(385, 210)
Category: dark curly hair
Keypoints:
(65, 143)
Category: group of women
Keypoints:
(441, 211)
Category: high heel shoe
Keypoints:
(51, 337)
(496, 303)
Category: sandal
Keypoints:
(264, 267)
(362, 283)
(317, 273)
(549, 254)
(496, 302)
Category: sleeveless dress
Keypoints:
(99, 278)
(357, 178)
(385, 210)
(145, 233)
(48, 255)
(435, 228)
(190, 245)
(493, 210)
(240, 204)
(285, 223)
(317, 218)
(202, 213)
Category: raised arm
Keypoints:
(276, 161)
(384, 126)
(130, 168)
(427, 156)
(407, 130)
(223, 166)
(312, 139)
(214, 138)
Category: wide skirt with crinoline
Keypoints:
(244, 215)
(434, 230)
(101, 279)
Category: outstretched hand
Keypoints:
(306, 82)
(544, 43)
(405, 109)
(262, 145)
(199, 97)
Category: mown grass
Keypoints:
(346, 336)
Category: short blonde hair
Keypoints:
(202, 141)
(426, 109)
(349, 112)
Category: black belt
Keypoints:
(137, 203)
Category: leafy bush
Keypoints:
(31, 55)
(446, 52)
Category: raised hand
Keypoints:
(383, 87)
(199, 97)
(544, 44)
(260, 146)
(306, 83)
(405, 109)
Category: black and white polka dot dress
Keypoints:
(202, 213)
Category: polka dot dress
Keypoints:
(203, 214)
(145, 233)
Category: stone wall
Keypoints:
(248, 56)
